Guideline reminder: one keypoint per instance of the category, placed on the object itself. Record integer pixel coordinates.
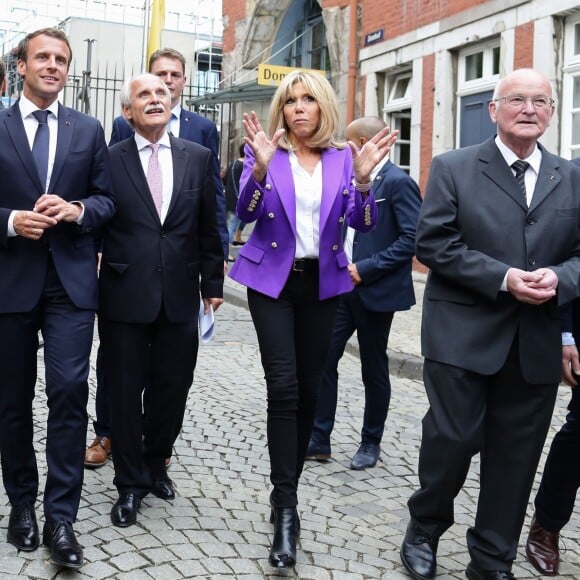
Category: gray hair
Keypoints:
(125, 93)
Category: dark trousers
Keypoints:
(504, 419)
(102, 423)
(161, 355)
(561, 478)
(294, 334)
(372, 330)
(68, 334)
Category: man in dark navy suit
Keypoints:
(381, 272)
(556, 496)
(169, 65)
(2, 82)
(57, 196)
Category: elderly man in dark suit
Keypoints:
(499, 229)
(169, 65)
(163, 239)
(56, 194)
(380, 268)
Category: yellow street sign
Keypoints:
(272, 75)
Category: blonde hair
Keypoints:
(319, 88)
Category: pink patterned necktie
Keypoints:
(154, 178)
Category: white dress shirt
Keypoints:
(165, 163)
(308, 190)
(173, 126)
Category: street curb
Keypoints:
(403, 365)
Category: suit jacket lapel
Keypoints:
(332, 165)
(132, 162)
(496, 169)
(65, 132)
(186, 127)
(180, 160)
(283, 181)
(15, 128)
(548, 178)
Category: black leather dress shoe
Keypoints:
(163, 489)
(65, 550)
(473, 572)
(124, 512)
(367, 456)
(419, 553)
(283, 550)
(22, 528)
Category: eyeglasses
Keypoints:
(539, 102)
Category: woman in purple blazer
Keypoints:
(299, 185)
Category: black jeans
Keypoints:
(294, 334)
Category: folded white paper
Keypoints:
(206, 323)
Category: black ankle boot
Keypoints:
(273, 517)
(286, 526)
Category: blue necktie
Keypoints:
(40, 146)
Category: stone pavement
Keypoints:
(352, 522)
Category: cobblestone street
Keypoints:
(217, 527)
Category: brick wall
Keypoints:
(524, 43)
(427, 109)
(233, 10)
(400, 16)
(333, 3)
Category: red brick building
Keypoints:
(428, 67)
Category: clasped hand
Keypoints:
(534, 287)
(49, 210)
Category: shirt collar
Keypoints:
(378, 167)
(27, 107)
(142, 142)
(535, 159)
(176, 111)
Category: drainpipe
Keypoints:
(353, 61)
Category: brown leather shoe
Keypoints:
(98, 452)
(542, 549)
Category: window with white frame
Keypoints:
(397, 112)
(570, 127)
(478, 67)
(477, 74)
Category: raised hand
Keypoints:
(371, 153)
(263, 147)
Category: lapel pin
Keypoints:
(67, 122)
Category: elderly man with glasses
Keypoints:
(499, 230)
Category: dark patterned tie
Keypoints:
(520, 167)
(40, 146)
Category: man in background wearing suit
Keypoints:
(556, 496)
(169, 65)
(2, 82)
(499, 229)
(57, 196)
(163, 239)
(381, 271)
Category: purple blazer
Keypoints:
(266, 260)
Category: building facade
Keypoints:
(428, 67)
